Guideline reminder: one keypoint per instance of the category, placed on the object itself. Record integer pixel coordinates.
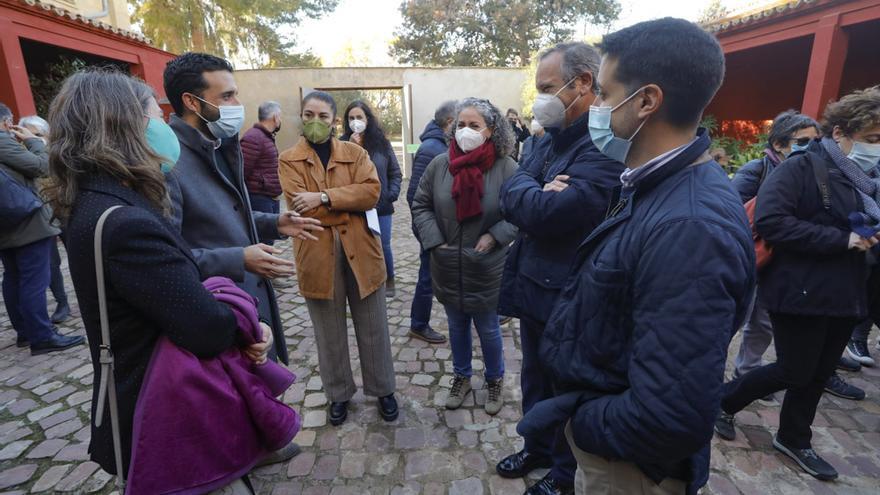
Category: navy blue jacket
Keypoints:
(552, 224)
(813, 271)
(637, 341)
(433, 143)
(749, 177)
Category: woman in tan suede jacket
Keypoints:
(335, 182)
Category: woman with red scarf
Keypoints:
(458, 217)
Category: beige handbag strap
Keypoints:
(107, 386)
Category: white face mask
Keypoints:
(549, 110)
(535, 126)
(469, 139)
(866, 155)
(357, 126)
(230, 121)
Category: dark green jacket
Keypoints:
(26, 163)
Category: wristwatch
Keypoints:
(325, 199)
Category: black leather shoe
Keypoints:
(549, 486)
(388, 407)
(21, 342)
(61, 314)
(338, 412)
(428, 335)
(520, 464)
(55, 343)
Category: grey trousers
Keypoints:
(596, 475)
(757, 334)
(371, 331)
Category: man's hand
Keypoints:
(259, 259)
(862, 244)
(259, 352)
(485, 243)
(305, 201)
(558, 185)
(21, 133)
(293, 225)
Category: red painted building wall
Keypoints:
(801, 56)
(19, 20)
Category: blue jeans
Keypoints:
(385, 226)
(265, 204)
(25, 280)
(537, 386)
(460, 338)
(423, 298)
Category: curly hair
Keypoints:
(374, 136)
(855, 112)
(502, 133)
(97, 127)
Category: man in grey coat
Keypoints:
(24, 248)
(209, 198)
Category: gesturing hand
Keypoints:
(860, 243)
(260, 259)
(293, 225)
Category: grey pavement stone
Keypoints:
(45, 413)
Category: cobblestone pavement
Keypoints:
(44, 432)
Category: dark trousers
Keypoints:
(862, 330)
(56, 282)
(25, 280)
(420, 312)
(265, 204)
(536, 386)
(807, 351)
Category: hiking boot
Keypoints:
(837, 386)
(858, 351)
(495, 399)
(725, 426)
(461, 387)
(846, 363)
(808, 460)
(428, 335)
(389, 288)
(338, 412)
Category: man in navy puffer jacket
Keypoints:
(637, 341)
(433, 143)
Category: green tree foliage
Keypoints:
(490, 33)
(246, 28)
(46, 85)
(387, 105)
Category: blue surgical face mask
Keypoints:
(603, 136)
(230, 121)
(164, 142)
(866, 155)
(797, 147)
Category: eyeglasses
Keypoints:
(802, 141)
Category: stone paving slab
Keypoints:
(45, 401)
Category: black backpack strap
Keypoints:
(820, 171)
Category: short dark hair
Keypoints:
(5, 112)
(512, 111)
(677, 55)
(321, 96)
(786, 124)
(445, 113)
(185, 74)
